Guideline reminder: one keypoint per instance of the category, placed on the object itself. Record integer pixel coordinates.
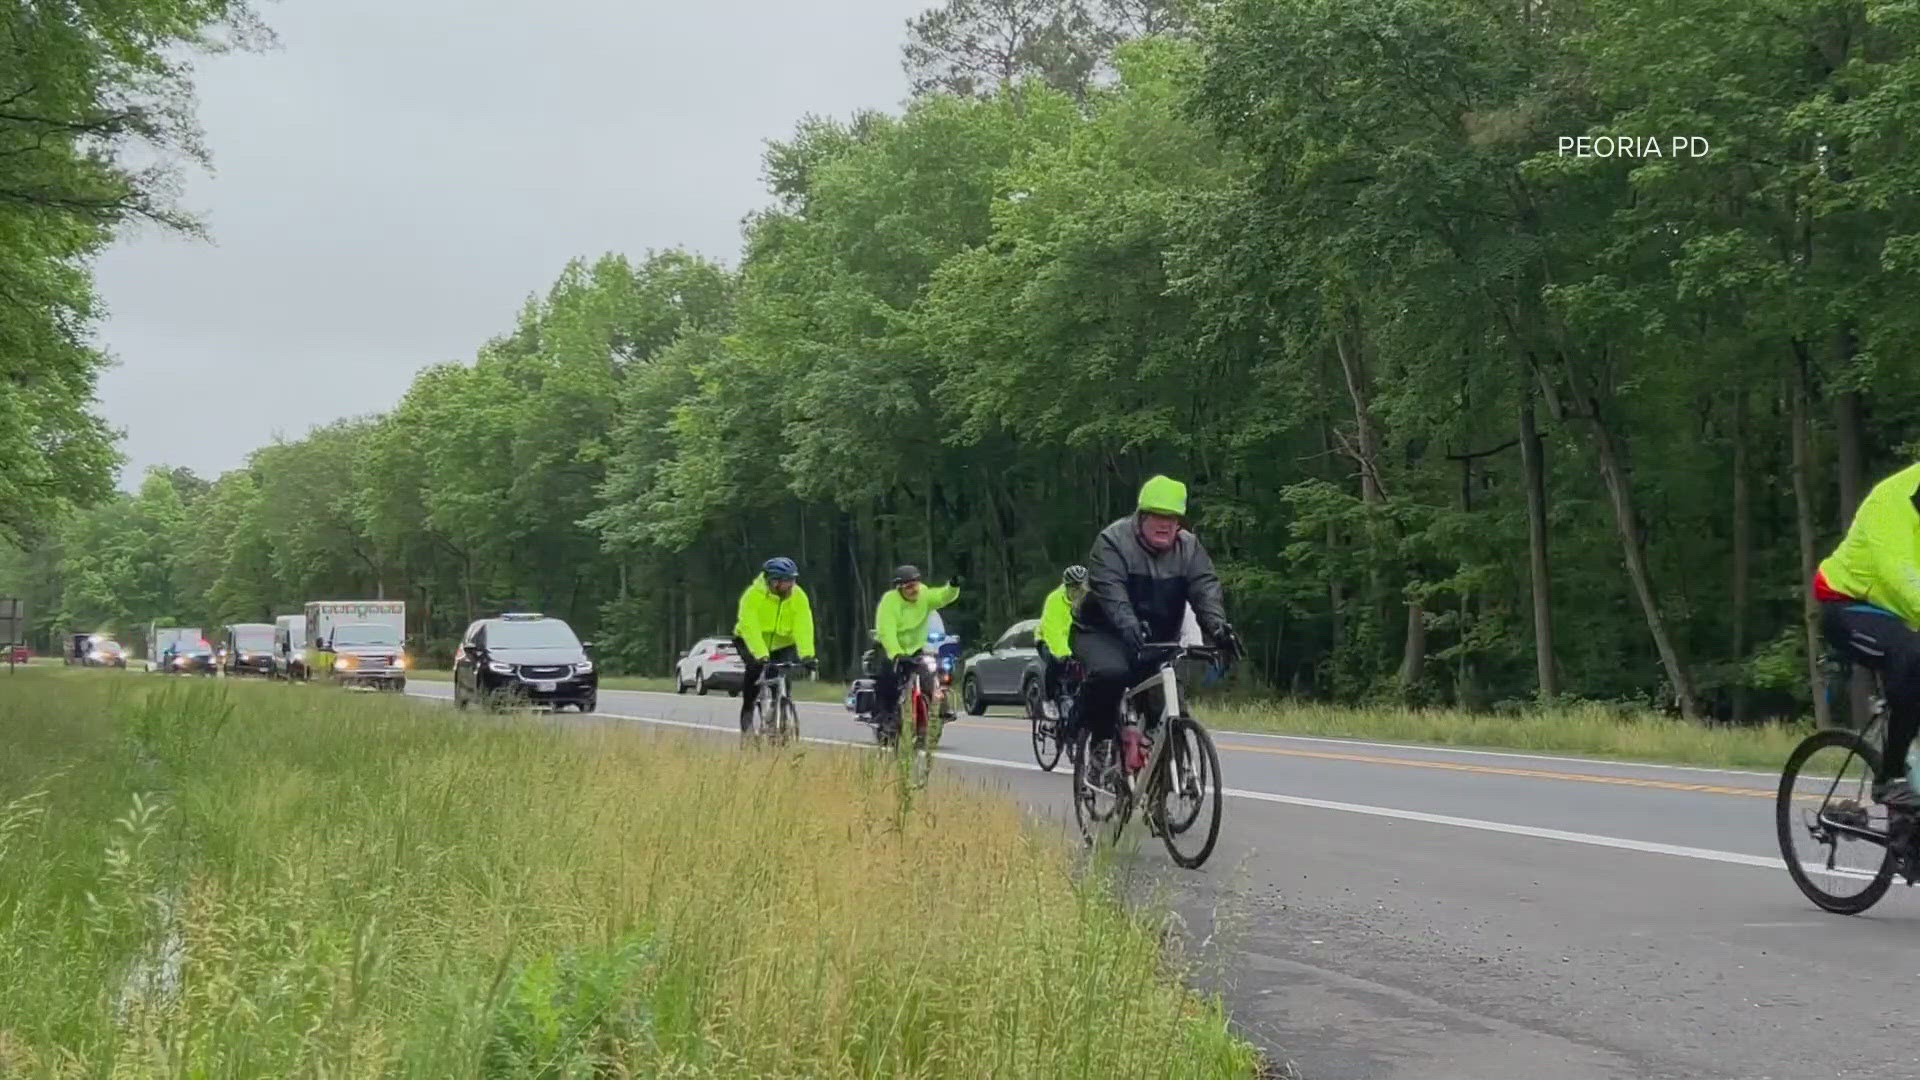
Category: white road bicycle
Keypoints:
(774, 715)
(1178, 774)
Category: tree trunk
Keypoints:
(1533, 462)
(1803, 514)
(1626, 522)
(1366, 452)
(1742, 549)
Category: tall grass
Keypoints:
(318, 883)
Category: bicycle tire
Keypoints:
(1045, 734)
(1092, 828)
(1785, 823)
(1182, 727)
(789, 719)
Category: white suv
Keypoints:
(712, 664)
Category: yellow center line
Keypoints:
(1466, 767)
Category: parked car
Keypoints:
(22, 654)
(525, 658)
(247, 649)
(1008, 673)
(712, 664)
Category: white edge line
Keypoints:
(1414, 747)
(1534, 832)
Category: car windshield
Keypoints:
(543, 634)
(364, 634)
(253, 638)
(107, 645)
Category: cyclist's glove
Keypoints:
(1136, 638)
(1225, 639)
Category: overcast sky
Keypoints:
(394, 180)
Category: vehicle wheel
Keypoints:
(459, 699)
(699, 681)
(590, 705)
(679, 684)
(1838, 789)
(976, 705)
(1031, 695)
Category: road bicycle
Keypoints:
(1825, 815)
(1165, 762)
(919, 700)
(1053, 734)
(775, 717)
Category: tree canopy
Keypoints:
(1468, 416)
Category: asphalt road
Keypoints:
(1375, 912)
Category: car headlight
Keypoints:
(584, 667)
(342, 664)
(499, 668)
(179, 661)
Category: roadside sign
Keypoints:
(13, 626)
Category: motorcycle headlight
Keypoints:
(499, 668)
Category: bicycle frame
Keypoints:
(1168, 682)
(773, 690)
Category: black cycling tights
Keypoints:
(1880, 641)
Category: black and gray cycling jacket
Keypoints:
(1131, 586)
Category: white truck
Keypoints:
(358, 642)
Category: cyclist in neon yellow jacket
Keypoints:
(900, 627)
(1869, 593)
(774, 622)
(1056, 632)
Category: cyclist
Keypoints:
(775, 622)
(900, 626)
(1056, 629)
(1144, 572)
(1869, 594)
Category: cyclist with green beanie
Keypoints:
(1143, 572)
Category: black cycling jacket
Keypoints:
(1130, 588)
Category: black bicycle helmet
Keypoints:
(781, 568)
(1074, 576)
(904, 574)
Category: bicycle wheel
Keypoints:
(1187, 779)
(789, 720)
(1046, 743)
(1813, 798)
(1101, 801)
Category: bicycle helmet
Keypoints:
(904, 574)
(781, 568)
(1074, 576)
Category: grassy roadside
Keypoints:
(226, 878)
(1582, 731)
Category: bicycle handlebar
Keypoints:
(1202, 652)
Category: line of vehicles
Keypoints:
(524, 657)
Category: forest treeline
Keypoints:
(1467, 418)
